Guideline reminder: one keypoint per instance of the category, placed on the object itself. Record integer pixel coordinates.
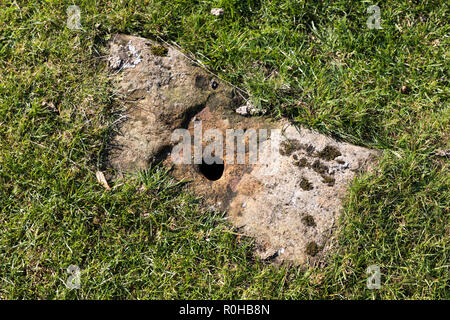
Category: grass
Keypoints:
(314, 62)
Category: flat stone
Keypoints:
(288, 201)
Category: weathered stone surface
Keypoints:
(289, 205)
(162, 90)
(296, 209)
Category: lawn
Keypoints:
(314, 62)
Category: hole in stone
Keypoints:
(214, 84)
(212, 171)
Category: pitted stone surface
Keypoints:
(289, 205)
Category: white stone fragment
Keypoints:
(217, 12)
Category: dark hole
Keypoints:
(214, 84)
(212, 171)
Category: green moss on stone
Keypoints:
(329, 153)
(287, 147)
(319, 167)
(302, 163)
(308, 221)
(312, 248)
(328, 180)
(159, 51)
(306, 185)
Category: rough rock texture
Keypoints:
(163, 90)
(292, 213)
(289, 204)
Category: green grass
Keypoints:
(315, 62)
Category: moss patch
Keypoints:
(328, 180)
(329, 153)
(312, 248)
(159, 51)
(287, 147)
(309, 148)
(308, 221)
(306, 185)
(319, 167)
(302, 163)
